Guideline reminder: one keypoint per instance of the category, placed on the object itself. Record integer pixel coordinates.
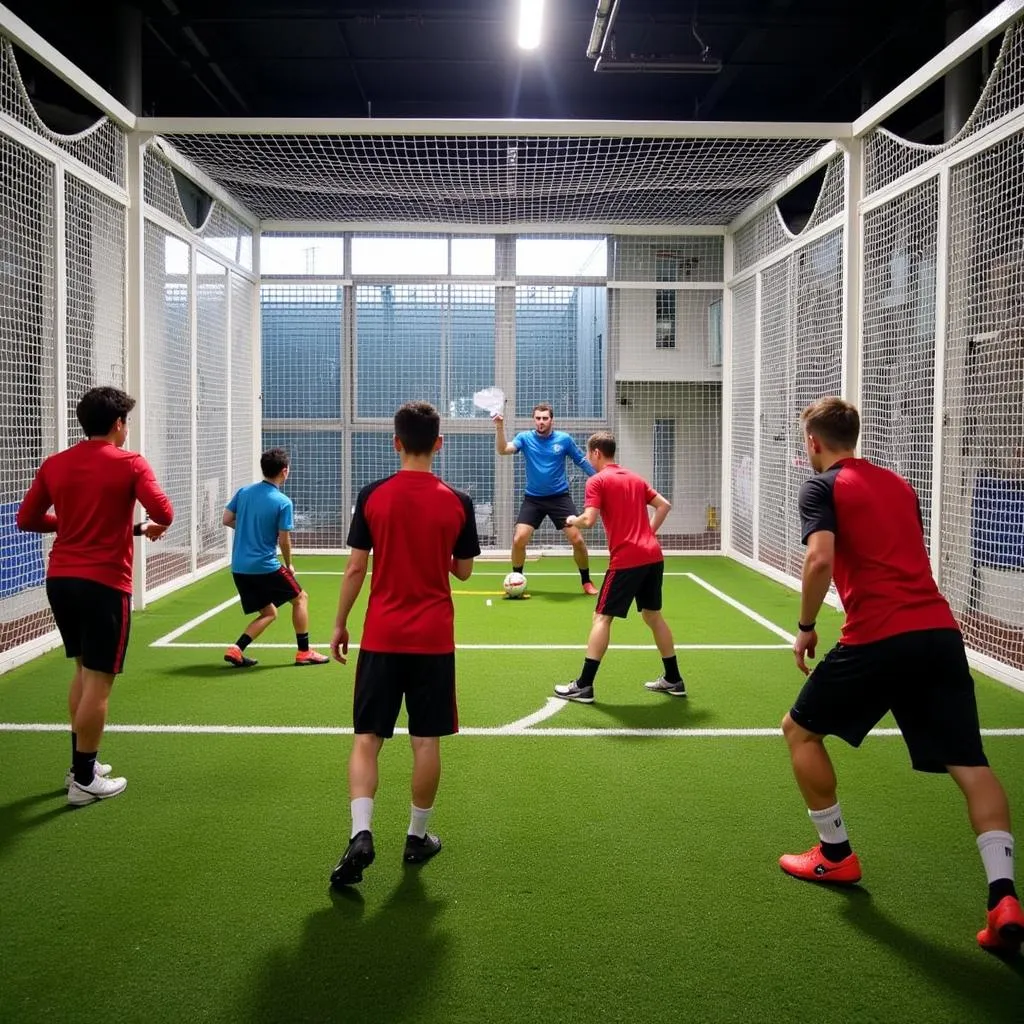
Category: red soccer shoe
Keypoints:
(589, 588)
(1004, 931)
(813, 866)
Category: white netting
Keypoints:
(887, 157)
(212, 456)
(898, 359)
(494, 180)
(759, 238)
(100, 146)
(28, 394)
(95, 235)
(159, 187)
(832, 197)
(982, 537)
(170, 415)
(228, 235)
(243, 395)
(691, 258)
(744, 427)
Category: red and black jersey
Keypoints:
(414, 524)
(622, 497)
(881, 567)
(92, 488)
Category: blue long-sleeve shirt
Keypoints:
(545, 461)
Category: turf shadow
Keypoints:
(353, 963)
(984, 980)
(15, 817)
(663, 713)
(217, 671)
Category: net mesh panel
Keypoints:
(228, 235)
(982, 537)
(898, 358)
(832, 198)
(169, 413)
(494, 180)
(759, 238)
(95, 235)
(100, 147)
(243, 392)
(27, 380)
(213, 457)
(801, 360)
(159, 187)
(887, 157)
(744, 427)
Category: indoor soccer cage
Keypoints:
(290, 282)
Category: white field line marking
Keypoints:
(553, 706)
(597, 572)
(166, 641)
(749, 612)
(494, 647)
(514, 729)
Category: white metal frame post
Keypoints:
(60, 305)
(135, 321)
(193, 316)
(853, 272)
(256, 343)
(725, 522)
(755, 484)
(939, 383)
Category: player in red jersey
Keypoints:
(901, 651)
(420, 531)
(635, 570)
(93, 487)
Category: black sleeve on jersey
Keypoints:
(359, 535)
(467, 544)
(817, 505)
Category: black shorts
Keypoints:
(621, 587)
(257, 590)
(557, 506)
(922, 677)
(427, 681)
(94, 621)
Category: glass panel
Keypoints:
(473, 256)
(305, 255)
(386, 257)
(470, 347)
(561, 257)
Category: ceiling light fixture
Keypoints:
(531, 13)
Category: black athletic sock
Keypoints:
(999, 890)
(584, 575)
(836, 851)
(518, 568)
(84, 767)
(302, 639)
(243, 641)
(587, 676)
(74, 747)
(672, 669)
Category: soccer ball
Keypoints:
(514, 584)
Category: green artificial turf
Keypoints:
(607, 878)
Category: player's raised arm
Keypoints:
(502, 446)
(580, 459)
(34, 514)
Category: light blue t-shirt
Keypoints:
(545, 461)
(261, 511)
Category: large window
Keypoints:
(388, 256)
(561, 257)
(314, 483)
(664, 474)
(302, 255)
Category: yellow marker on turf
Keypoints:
(479, 593)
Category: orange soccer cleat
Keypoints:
(590, 589)
(235, 656)
(814, 866)
(1004, 927)
(310, 658)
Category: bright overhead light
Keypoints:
(531, 13)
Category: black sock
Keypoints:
(84, 767)
(584, 575)
(590, 667)
(836, 851)
(303, 641)
(74, 747)
(243, 641)
(672, 669)
(999, 890)
(518, 568)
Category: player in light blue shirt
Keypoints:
(544, 451)
(262, 517)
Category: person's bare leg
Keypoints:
(671, 678)
(581, 556)
(812, 767)
(362, 787)
(520, 539)
(426, 776)
(265, 618)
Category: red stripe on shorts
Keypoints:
(290, 577)
(606, 586)
(122, 643)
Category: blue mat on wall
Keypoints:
(21, 555)
(997, 523)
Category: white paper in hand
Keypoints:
(491, 400)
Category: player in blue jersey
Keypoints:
(545, 450)
(262, 517)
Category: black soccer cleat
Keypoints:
(358, 856)
(418, 851)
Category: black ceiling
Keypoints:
(803, 60)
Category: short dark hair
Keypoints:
(100, 408)
(833, 421)
(544, 407)
(417, 426)
(604, 442)
(274, 461)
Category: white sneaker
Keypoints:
(101, 770)
(662, 685)
(101, 788)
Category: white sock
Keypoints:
(830, 825)
(418, 821)
(362, 814)
(997, 855)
